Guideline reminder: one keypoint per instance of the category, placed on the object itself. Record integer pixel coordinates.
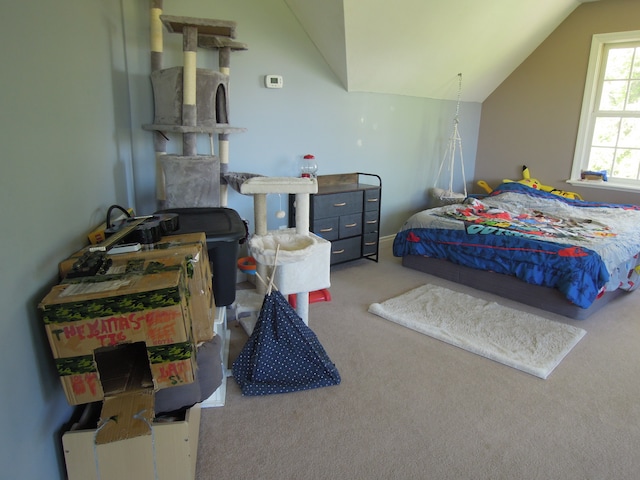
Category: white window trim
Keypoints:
(585, 127)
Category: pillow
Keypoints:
(208, 379)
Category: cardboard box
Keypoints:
(171, 452)
(167, 367)
(114, 332)
(187, 249)
(96, 312)
(124, 416)
(191, 250)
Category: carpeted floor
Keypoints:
(410, 406)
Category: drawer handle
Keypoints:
(372, 221)
(351, 225)
(369, 244)
(372, 199)
(323, 230)
(340, 204)
(336, 252)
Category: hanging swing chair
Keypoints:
(441, 196)
(282, 354)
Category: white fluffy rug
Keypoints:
(518, 339)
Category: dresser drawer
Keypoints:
(327, 228)
(370, 244)
(345, 212)
(345, 250)
(372, 199)
(337, 204)
(370, 222)
(350, 225)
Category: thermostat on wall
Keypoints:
(273, 81)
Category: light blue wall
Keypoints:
(65, 151)
(73, 99)
(399, 138)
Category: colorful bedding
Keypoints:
(581, 248)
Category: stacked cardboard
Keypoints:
(189, 249)
(93, 315)
(121, 336)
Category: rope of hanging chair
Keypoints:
(455, 143)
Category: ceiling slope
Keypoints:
(418, 47)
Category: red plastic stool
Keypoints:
(315, 296)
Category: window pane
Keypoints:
(606, 131)
(601, 158)
(633, 103)
(626, 164)
(635, 73)
(629, 133)
(619, 63)
(614, 94)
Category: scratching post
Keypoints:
(302, 213)
(189, 108)
(223, 149)
(159, 140)
(155, 25)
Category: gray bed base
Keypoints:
(507, 286)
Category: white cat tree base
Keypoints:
(304, 258)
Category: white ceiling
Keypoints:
(418, 47)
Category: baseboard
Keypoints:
(386, 239)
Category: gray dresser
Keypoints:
(346, 211)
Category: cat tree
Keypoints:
(304, 258)
(191, 101)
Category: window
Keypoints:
(609, 130)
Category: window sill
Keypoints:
(611, 185)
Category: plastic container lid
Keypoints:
(218, 223)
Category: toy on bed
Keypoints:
(533, 183)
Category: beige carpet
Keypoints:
(412, 407)
(507, 335)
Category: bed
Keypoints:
(563, 255)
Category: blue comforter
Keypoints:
(581, 248)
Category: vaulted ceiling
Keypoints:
(418, 47)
